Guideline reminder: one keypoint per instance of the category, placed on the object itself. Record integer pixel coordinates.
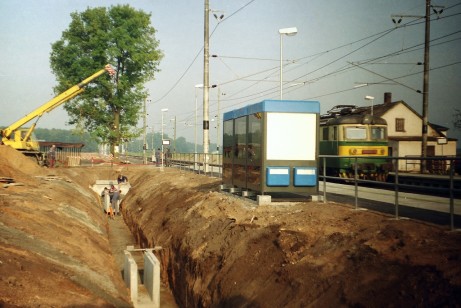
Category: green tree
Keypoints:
(123, 37)
(62, 135)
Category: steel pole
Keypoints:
(206, 88)
(426, 87)
(144, 135)
(281, 66)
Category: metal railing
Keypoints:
(208, 164)
(211, 164)
(445, 176)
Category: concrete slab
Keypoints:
(263, 199)
(317, 198)
(235, 190)
(130, 275)
(99, 185)
(247, 193)
(152, 277)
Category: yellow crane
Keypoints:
(22, 139)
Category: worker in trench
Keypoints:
(115, 201)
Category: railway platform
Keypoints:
(434, 209)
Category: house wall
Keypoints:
(448, 149)
(413, 128)
(412, 149)
(413, 123)
(409, 149)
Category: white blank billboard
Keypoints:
(291, 136)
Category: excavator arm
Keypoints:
(55, 102)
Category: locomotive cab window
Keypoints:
(378, 133)
(355, 133)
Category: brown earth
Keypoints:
(218, 250)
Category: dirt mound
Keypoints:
(220, 250)
(54, 248)
(15, 164)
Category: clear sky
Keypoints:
(340, 44)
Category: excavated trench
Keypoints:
(219, 250)
(222, 251)
(170, 215)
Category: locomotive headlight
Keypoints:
(352, 151)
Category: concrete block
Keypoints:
(317, 198)
(263, 199)
(235, 190)
(247, 193)
(152, 277)
(130, 275)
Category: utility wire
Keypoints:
(408, 75)
(383, 33)
(199, 52)
(379, 34)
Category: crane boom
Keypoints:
(21, 139)
(55, 102)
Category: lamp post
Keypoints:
(218, 118)
(288, 32)
(153, 146)
(163, 111)
(144, 147)
(206, 83)
(370, 98)
(197, 86)
(174, 135)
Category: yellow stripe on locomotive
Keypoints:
(359, 150)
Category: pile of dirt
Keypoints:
(218, 249)
(16, 165)
(54, 247)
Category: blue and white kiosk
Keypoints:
(272, 147)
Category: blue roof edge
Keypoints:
(294, 106)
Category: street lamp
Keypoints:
(152, 143)
(174, 135)
(370, 98)
(144, 147)
(197, 86)
(288, 32)
(162, 156)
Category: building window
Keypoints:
(399, 125)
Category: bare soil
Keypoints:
(218, 250)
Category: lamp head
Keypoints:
(289, 31)
(369, 98)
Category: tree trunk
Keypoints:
(115, 146)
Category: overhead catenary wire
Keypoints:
(230, 97)
(400, 77)
(199, 52)
(382, 33)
